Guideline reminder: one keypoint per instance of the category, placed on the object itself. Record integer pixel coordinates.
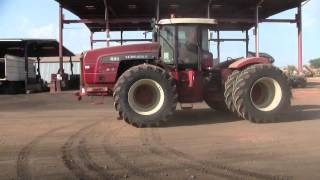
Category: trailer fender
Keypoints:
(245, 62)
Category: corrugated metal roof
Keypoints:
(137, 14)
(36, 47)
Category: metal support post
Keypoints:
(158, 10)
(218, 45)
(61, 41)
(26, 66)
(71, 65)
(299, 25)
(91, 40)
(209, 9)
(257, 30)
(121, 38)
(38, 67)
(108, 37)
(106, 18)
(247, 43)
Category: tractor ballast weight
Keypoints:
(148, 80)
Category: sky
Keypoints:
(39, 19)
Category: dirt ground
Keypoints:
(45, 136)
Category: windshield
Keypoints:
(187, 44)
(191, 40)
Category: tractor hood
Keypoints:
(100, 66)
(118, 53)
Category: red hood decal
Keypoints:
(94, 55)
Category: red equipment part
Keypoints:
(242, 63)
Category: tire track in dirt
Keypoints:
(87, 160)
(153, 143)
(73, 166)
(207, 167)
(23, 167)
(133, 169)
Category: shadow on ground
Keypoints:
(313, 84)
(301, 113)
(198, 117)
(208, 116)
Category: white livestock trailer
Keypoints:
(13, 73)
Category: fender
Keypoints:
(248, 61)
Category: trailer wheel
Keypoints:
(145, 95)
(261, 93)
(229, 86)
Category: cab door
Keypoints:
(188, 57)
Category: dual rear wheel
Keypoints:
(260, 93)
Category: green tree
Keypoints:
(315, 63)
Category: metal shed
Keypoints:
(133, 15)
(31, 48)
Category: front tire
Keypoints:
(145, 95)
(261, 93)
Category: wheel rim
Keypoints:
(266, 94)
(146, 97)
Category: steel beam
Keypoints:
(225, 39)
(111, 21)
(123, 40)
(278, 21)
(246, 20)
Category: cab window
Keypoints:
(187, 44)
(166, 41)
(205, 38)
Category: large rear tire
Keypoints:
(145, 95)
(261, 93)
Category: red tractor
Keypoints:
(148, 80)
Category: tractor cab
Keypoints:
(184, 46)
(185, 42)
